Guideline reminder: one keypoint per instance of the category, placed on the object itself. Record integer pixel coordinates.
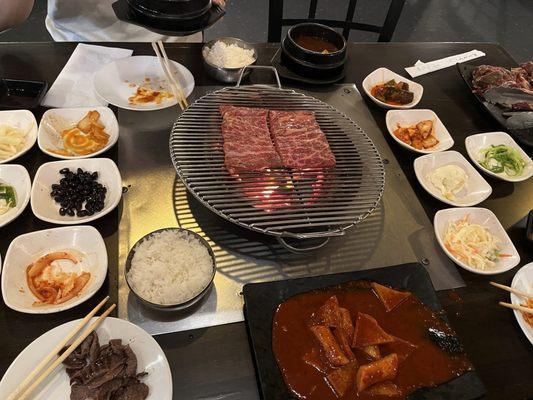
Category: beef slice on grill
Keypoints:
(299, 140)
(247, 143)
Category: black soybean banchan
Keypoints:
(78, 193)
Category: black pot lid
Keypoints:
(184, 27)
(285, 72)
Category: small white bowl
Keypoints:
(43, 205)
(18, 177)
(486, 218)
(411, 117)
(22, 119)
(55, 120)
(476, 189)
(480, 141)
(25, 249)
(523, 281)
(382, 75)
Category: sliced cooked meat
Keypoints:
(107, 372)
(135, 391)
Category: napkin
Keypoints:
(421, 68)
(74, 85)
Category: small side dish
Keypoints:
(449, 180)
(50, 283)
(86, 137)
(12, 140)
(18, 133)
(8, 197)
(502, 159)
(78, 193)
(230, 55)
(420, 135)
(393, 93)
(473, 244)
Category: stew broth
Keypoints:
(315, 43)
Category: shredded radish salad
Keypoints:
(472, 244)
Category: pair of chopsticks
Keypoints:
(34, 378)
(161, 54)
(524, 309)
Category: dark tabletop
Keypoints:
(215, 362)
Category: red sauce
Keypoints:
(292, 338)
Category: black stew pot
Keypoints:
(170, 9)
(311, 63)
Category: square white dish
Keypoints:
(25, 249)
(523, 281)
(21, 119)
(480, 141)
(55, 120)
(412, 117)
(43, 205)
(18, 177)
(476, 189)
(382, 75)
(486, 218)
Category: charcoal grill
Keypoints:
(310, 204)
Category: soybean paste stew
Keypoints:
(363, 340)
(315, 43)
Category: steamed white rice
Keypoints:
(170, 267)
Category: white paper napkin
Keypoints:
(421, 68)
(74, 85)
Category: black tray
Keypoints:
(15, 93)
(262, 299)
(286, 73)
(184, 27)
(524, 136)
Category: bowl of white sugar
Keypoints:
(224, 58)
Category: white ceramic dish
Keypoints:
(18, 177)
(44, 207)
(523, 281)
(117, 81)
(55, 120)
(150, 358)
(412, 117)
(25, 249)
(486, 218)
(382, 75)
(475, 143)
(476, 190)
(22, 119)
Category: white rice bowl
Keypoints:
(170, 267)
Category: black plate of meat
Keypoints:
(507, 94)
(358, 335)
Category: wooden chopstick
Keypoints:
(176, 91)
(512, 290)
(526, 310)
(67, 352)
(176, 83)
(56, 350)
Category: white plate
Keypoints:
(523, 281)
(113, 81)
(411, 117)
(476, 189)
(150, 358)
(382, 75)
(55, 120)
(44, 207)
(25, 249)
(486, 218)
(22, 119)
(18, 177)
(480, 141)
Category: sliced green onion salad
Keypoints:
(501, 158)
